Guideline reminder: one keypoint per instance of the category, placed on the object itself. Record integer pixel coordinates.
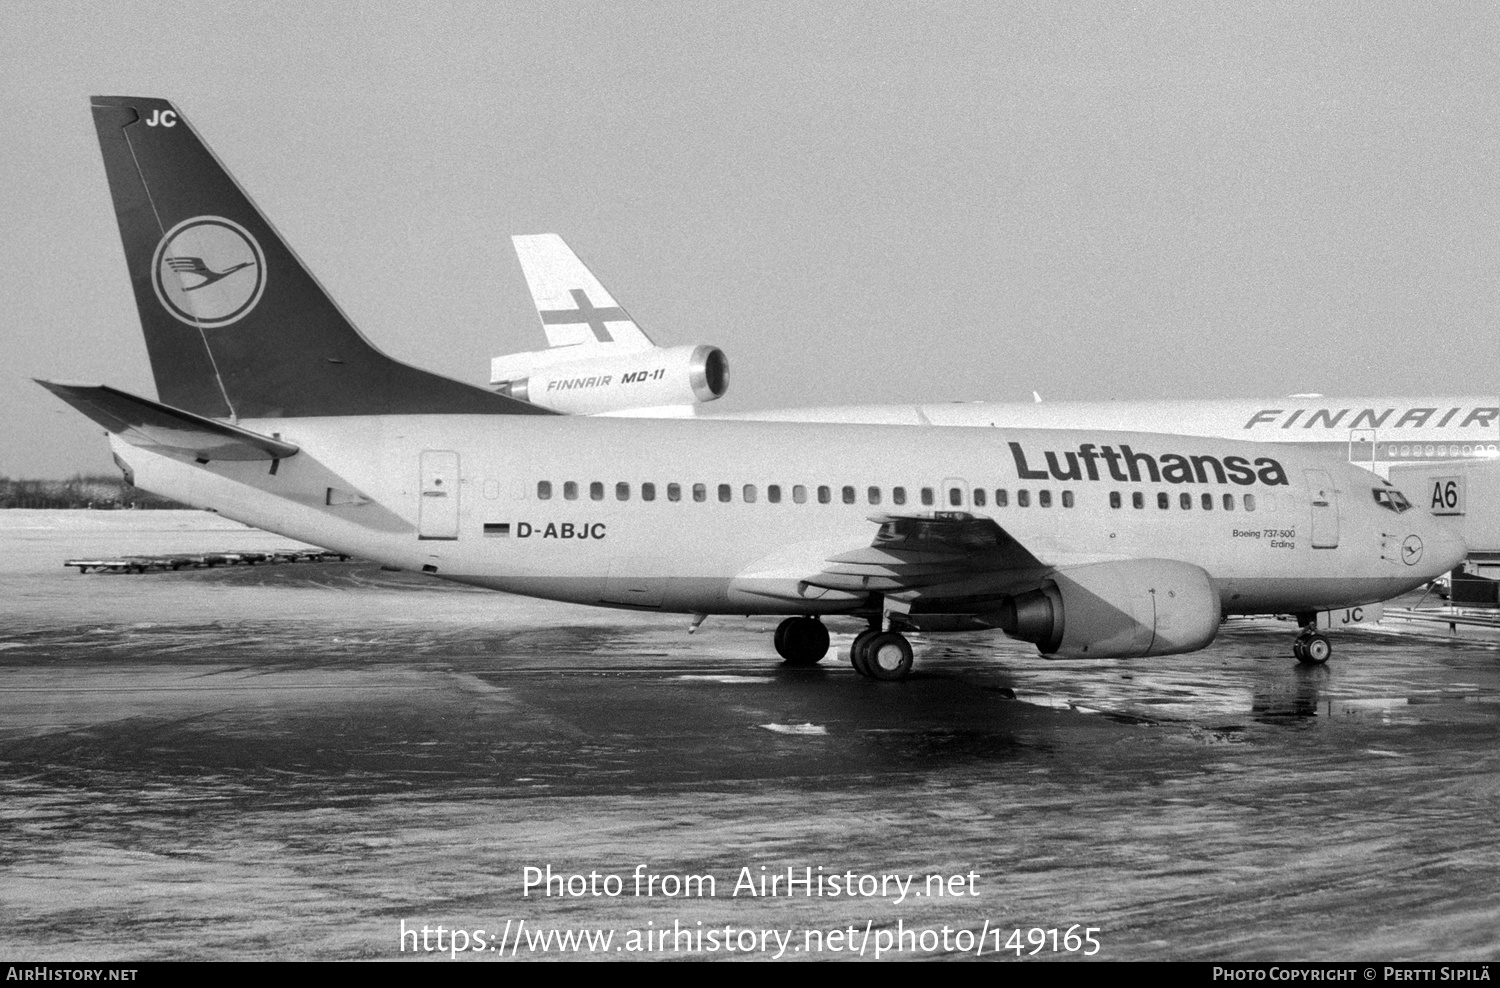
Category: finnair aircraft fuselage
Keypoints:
(1377, 433)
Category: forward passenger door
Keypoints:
(1325, 510)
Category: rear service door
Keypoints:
(437, 511)
(1325, 510)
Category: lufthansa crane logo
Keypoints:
(208, 271)
(1411, 550)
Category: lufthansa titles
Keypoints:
(1125, 465)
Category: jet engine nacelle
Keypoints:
(1116, 610)
(661, 376)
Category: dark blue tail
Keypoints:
(235, 326)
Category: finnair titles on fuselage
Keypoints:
(274, 411)
(1480, 418)
(1379, 432)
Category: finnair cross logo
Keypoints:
(585, 313)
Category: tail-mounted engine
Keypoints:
(1115, 610)
(654, 378)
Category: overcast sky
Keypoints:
(856, 201)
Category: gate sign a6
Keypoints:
(1447, 495)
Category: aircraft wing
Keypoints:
(949, 554)
(948, 561)
(164, 429)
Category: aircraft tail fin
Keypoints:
(235, 324)
(575, 308)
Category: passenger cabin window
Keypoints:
(825, 494)
(1137, 500)
(979, 497)
(1186, 500)
(1002, 497)
(700, 492)
(927, 496)
(596, 491)
(1208, 502)
(570, 490)
(1044, 499)
(544, 490)
(799, 494)
(1114, 499)
(674, 492)
(1023, 498)
(898, 495)
(622, 491)
(749, 493)
(1067, 499)
(848, 493)
(873, 494)
(1228, 502)
(773, 493)
(1163, 501)
(725, 493)
(955, 497)
(1249, 502)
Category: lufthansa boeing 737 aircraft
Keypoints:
(273, 410)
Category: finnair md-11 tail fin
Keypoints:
(598, 361)
(235, 325)
(575, 309)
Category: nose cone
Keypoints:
(1433, 548)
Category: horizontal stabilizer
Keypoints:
(164, 429)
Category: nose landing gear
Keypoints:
(1312, 648)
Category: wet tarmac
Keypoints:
(292, 762)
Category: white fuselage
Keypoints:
(1443, 451)
(460, 497)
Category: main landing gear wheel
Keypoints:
(857, 650)
(887, 656)
(801, 641)
(1312, 648)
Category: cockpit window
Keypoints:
(1389, 497)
